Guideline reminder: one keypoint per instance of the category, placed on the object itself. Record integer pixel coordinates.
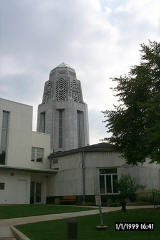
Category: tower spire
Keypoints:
(63, 114)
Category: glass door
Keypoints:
(32, 191)
(35, 192)
(38, 193)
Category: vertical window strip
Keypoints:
(4, 133)
(60, 128)
(80, 128)
(42, 122)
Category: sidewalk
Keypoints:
(6, 223)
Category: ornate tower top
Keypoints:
(62, 85)
(63, 114)
(63, 66)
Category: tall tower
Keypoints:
(62, 113)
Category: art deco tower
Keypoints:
(62, 113)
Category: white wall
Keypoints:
(93, 162)
(70, 138)
(69, 179)
(147, 175)
(20, 140)
(41, 140)
(17, 187)
(19, 132)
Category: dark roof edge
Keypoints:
(48, 171)
(100, 147)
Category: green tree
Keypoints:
(127, 187)
(135, 122)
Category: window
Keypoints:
(4, 133)
(61, 89)
(2, 186)
(60, 117)
(80, 128)
(42, 122)
(37, 154)
(108, 181)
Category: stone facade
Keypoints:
(63, 114)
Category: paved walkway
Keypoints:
(6, 223)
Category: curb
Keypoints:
(19, 235)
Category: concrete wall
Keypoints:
(20, 140)
(69, 179)
(147, 174)
(41, 140)
(19, 132)
(70, 138)
(17, 187)
(93, 162)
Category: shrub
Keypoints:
(150, 196)
(127, 187)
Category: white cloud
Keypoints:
(100, 39)
(9, 66)
(145, 10)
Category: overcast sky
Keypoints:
(100, 39)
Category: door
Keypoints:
(35, 192)
(32, 191)
(38, 192)
(21, 191)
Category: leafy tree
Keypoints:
(135, 122)
(127, 187)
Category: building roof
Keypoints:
(99, 147)
(64, 66)
(32, 170)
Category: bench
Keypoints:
(69, 199)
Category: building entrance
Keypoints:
(35, 192)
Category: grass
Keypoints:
(15, 211)
(87, 227)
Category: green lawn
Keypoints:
(87, 227)
(15, 211)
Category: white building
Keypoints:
(88, 171)
(24, 165)
(31, 173)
